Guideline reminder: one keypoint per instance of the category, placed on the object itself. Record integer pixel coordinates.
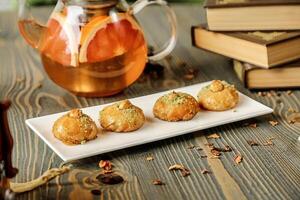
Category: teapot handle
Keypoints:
(140, 5)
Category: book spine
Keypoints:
(240, 71)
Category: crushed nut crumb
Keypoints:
(157, 182)
(253, 125)
(210, 145)
(214, 157)
(189, 76)
(149, 158)
(238, 159)
(269, 142)
(105, 164)
(289, 92)
(205, 171)
(213, 136)
(273, 123)
(184, 171)
(215, 152)
(252, 143)
(227, 149)
(292, 110)
(199, 148)
(292, 121)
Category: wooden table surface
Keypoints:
(266, 172)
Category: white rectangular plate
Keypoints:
(153, 130)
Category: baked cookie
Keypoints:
(75, 128)
(176, 106)
(218, 96)
(122, 117)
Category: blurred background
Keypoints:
(8, 9)
(43, 2)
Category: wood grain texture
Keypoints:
(267, 172)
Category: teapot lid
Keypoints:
(93, 4)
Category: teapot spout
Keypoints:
(31, 31)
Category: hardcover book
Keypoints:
(264, 49)
(254, 77)
(247, 15)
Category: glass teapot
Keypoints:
(93, 48)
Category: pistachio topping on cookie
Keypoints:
(175, 98)
(218, 96)
(74, 128)
(216, 86)
(176, 106)
(122, 116)
(75, 113)
(124, 104)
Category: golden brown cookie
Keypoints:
(75, 128)
(176, 106)
(218, 96)
(122, 117)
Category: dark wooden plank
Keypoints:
(266, 171)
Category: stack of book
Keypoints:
(262, 36)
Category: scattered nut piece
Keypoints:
(205, 171)
(157, 182)
(252, 143)
(253, 125)
(238, 159)
(213, 136)
(149, 158)
(184, 171)
(292, 110)
(289, 92)
(214, 157)
(210, 145)
(189, 76)
(105, 164)
(199, 148)
(292, 121)
(215, 152)
(268, 143)
(273, 123)
(227, 149)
